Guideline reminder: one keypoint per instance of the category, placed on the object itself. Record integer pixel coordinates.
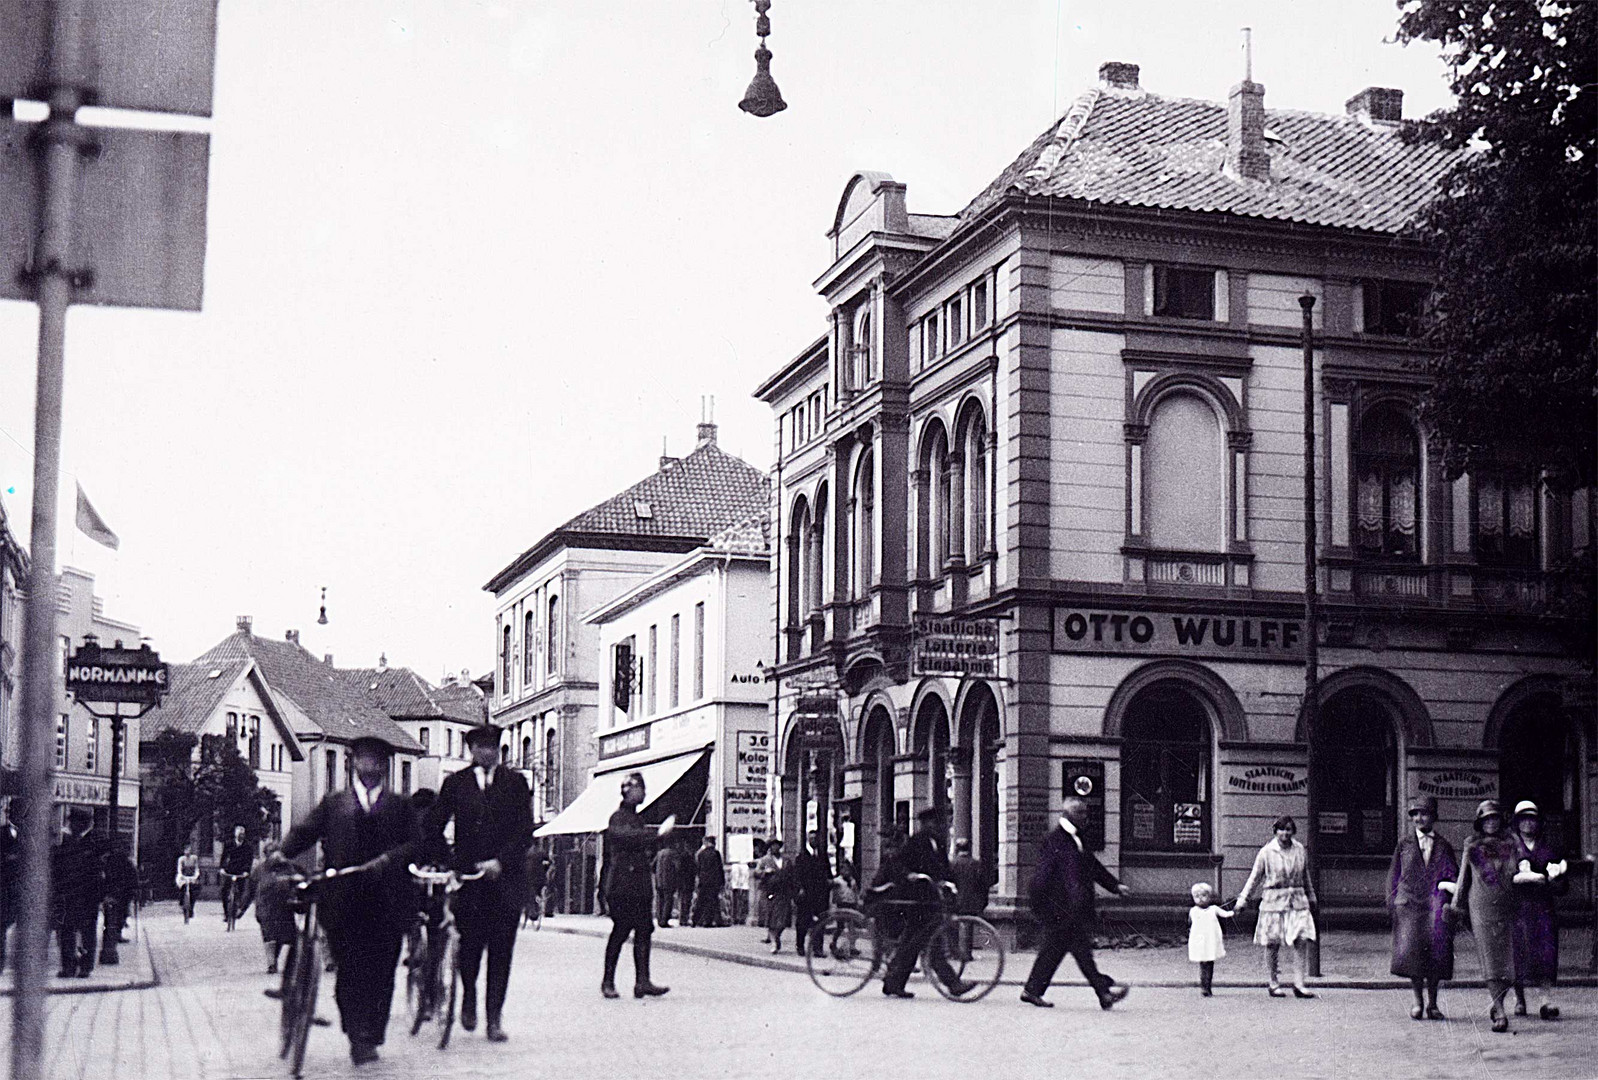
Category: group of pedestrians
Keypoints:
(692, 881)
(91, 878)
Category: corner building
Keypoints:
(1040, 513)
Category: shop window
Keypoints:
(1506, 519)
(1165, 772)
(1387, 492)
(1394, 307)
(1184, 293)
(1184, 476)
(1356, 767)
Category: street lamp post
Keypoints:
(1311, 614)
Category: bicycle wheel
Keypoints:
(441, 965)
(849, 953)
(307, 979)
(418, 1003)
(229, 909)
(965, 958)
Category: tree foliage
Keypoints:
(219, 788)
(1515, 315)
(229, 790)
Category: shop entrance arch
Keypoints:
(976, 773)
(877, 750)
(1356, 774)
(932, 754)
(1540, 757)
(812, 775)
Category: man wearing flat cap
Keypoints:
(493, 814)
(1423, 940)
(366, 914)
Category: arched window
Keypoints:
(1184, 476)
(863, 506)
(1166, 789)
(504, 662)
(552, 636)
(818, 558)
(1540, 758)
(862, 353)
(932, 496)
(976, 489)
(527, 752)
(1387, 486)
(798, 556)
(529, 650)
(1506, 517)
(1356, 776)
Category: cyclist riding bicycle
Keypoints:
(188, 879)
(917, 889)
(238, 856)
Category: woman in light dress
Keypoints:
(1281, 875)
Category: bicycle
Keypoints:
(232, 887)
(186, 899)
(433, 980)
(302, 973)
(965, 946)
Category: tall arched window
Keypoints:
(798, 556)
(932, 495)
(552, 637)
(527, 752)
(529, 649)
(504, 662)
(818, 558)
(1356, 776)
(1184, 476)
(976, 488)
(865, 507)
(1165, 771)
(863, 354)
(1387, 486)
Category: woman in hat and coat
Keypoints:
(1486, 890)
(1538, 883)
(1423, 939)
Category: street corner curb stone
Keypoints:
(132, 982)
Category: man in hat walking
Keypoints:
(370, 827)
(1423, 940)
(79, 880)
(922, 854)
(492, 808)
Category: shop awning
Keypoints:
(590, 811)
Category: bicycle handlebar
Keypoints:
(442, 877)
(329, 874)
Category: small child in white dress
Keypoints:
(1205, 944)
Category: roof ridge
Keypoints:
(1066, 130)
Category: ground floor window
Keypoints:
(1355, 776)
(1165, 772)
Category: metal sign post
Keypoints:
(1312, 691)
(146, 54)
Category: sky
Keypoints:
(471, 265)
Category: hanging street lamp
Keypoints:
(762, 98)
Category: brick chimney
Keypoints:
(706, 433)
(243, 623)
(1377, 104)
(291, 636)
(1114, 75)
(327, 658)
(1246, 156)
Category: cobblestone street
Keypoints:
(207, 1019)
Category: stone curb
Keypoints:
(772, 964)
(132, 982)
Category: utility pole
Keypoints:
(1312, 691)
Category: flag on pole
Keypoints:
(92, 525)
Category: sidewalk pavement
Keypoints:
(1350, 959)
(134, 970)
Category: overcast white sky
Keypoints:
(470, 262)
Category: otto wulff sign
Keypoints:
(116, 675)
(1213, 634)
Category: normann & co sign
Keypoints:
(1165, 633)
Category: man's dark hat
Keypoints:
(1428, 803)
(371, 744)
(483, 733)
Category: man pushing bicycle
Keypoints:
(365, 915)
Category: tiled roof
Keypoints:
(404, 695)
(320, 690)
(1168, 153)
(193, 693)
(676, 508)
(751, 536)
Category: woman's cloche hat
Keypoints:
(1488, 808)
(1526, 808)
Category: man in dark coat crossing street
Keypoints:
(1423, 940)
(814, 893)
(921, 854)
(365, 914)
(492, 808)
(78, 874)
(1063, 901)
(630, 845)
(711, 877)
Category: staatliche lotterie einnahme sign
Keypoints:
(1212, 634)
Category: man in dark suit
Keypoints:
(1063, 901)
(813, 881)
(365, 915)
(710, 876)
(923, 853)
(1423, 940)
(79, 877)
(492, 808)
(630, 845)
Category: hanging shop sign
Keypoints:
(960, 647)
(116, 674)
(1164, 633)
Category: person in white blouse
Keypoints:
(1281, 876)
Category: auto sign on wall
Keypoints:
(116, 674)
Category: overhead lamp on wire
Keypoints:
(762, 98)
(321, 619)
